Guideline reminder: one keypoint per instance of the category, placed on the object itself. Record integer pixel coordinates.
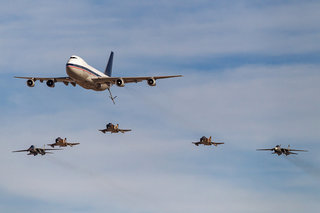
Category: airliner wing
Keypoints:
(55, 79)
(130, 79)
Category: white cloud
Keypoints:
(43, 36)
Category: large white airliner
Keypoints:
(79, 72)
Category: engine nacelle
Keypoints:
(30, 83)
(151, 82)
(50, 83)
(120, 82)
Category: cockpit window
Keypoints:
(73, 57)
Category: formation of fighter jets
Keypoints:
(42, 151)
(81, 73)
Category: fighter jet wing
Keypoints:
(264, 149)
(218, 143)
(113, 80)
(124, 130)
(103, 130)
(51, 149)
(25, 150)
(55, 79)
(297, 150)
(196, 143)
(292, 153)
(72, 144)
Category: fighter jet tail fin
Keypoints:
(108, 70)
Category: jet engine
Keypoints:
(50, 83)
(30, 83)
(120, 82)
(151, 82)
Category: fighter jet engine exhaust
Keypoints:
(30, 83)
(50, 83)
(152, 82)
(305, 166)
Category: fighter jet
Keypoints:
(62, 143)
(35, 151)
(207, 142)
(113, 129)
(286, 151)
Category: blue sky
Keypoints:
(251, 79)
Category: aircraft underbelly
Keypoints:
(83, 79)
(76, 74)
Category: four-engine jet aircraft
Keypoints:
(35, 151)
(114, 129)
(62, 143)
(207, 142)
(286, 151)
(79, 72)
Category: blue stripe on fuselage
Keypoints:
(85, 68)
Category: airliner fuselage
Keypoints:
(82, 73)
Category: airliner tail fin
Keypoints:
(108, 70)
